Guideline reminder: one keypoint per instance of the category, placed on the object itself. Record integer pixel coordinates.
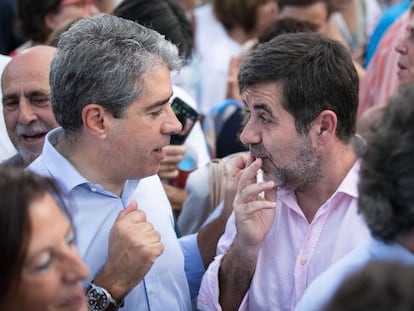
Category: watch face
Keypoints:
(97, 299)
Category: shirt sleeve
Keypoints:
(208, 298)
(193, 263)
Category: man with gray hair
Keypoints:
(27, 111)
(110, 92)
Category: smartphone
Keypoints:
(187, 116)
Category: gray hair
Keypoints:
(386, 196)
(102, 59)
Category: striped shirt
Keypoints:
(381, 79)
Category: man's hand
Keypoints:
(254, 215)
(169, 166)
(134, 246)
(234, 166)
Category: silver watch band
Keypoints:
(100, 299)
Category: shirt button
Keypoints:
(302, 261)
(93, 189)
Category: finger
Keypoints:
(131, 207)
(255, 206)
(249, 174)
(246, 157)
(138, 216)
(158, 249)
(175, 150)
(271, 194)
(145, 228)
(250, 159)
(169, 174)
(167, 168)
(252, 192)
(237, 164)
(148, 251)
(172, 159)
(154, 236)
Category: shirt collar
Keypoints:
(348, 186)
(69, 178)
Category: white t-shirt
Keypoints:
(214, 50)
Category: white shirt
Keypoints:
(6, 147)
(214, 49)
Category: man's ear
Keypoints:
(325, 126)
(94, 118)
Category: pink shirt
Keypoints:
(294, 252)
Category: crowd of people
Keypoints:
(292, 191)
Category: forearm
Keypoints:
(208, 236)
(133, 247)
(117, 289)
(235, 275)
(207, 239)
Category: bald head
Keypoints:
(26, 106)
(32, 57)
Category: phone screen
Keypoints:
(187, 116)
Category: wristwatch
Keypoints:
(99, 299)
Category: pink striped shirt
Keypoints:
(294, 252)
(381, 79)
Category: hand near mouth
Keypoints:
(254, 215)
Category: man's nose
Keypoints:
(26, 112)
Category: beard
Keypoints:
(30, 152)
(299, 174)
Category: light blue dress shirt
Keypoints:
(94, 211)
(322, 290)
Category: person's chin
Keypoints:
(34, 146)
(405, 79)
(28, 155)
(148, 171)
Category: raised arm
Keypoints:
(134, 246)
(254, 217)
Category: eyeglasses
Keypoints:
(77, 3)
